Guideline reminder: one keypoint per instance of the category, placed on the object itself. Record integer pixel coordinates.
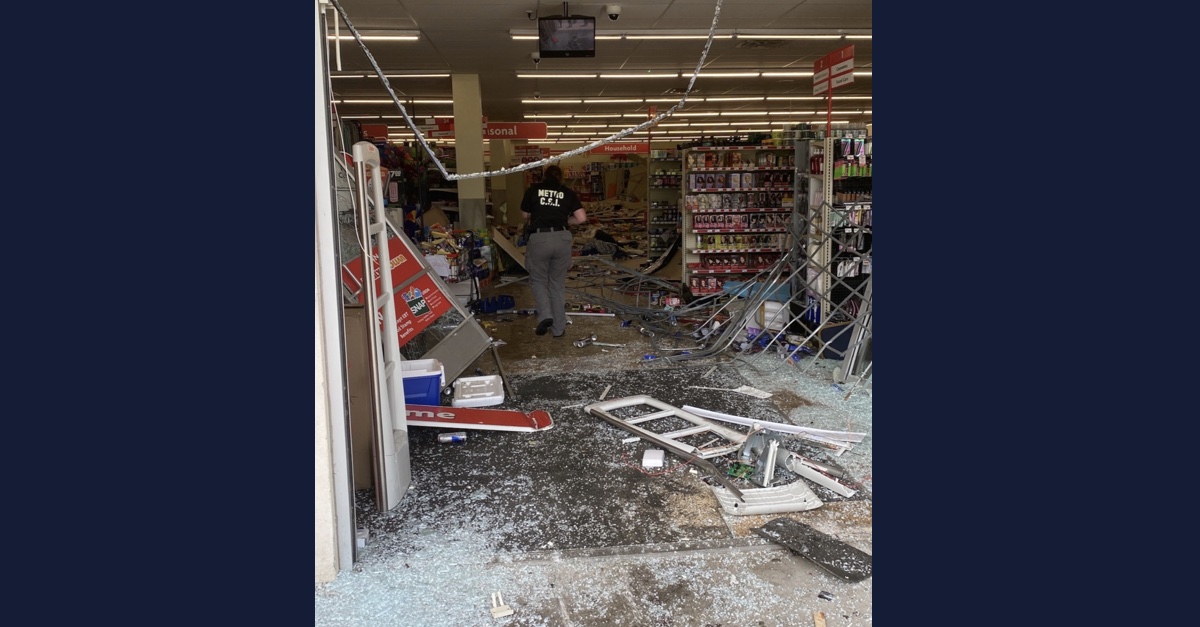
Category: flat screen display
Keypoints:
(561, 37)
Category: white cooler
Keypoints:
(478, 391)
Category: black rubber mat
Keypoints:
(835, 556)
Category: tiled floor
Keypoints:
(571, 530)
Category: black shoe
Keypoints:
(544, 326)
(561, 334)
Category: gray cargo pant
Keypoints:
(547, 259)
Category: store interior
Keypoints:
(725, 271)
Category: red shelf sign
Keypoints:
(834, 69)
(625, 148)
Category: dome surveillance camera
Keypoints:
(537, 58)
(613, 11)
(537, 94)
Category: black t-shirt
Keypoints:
(549, 204)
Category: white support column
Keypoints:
(468, 145)
(334, 526)
(502, 153)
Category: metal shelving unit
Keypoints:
(664, 198)
(834, 198)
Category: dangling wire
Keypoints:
(533, 164)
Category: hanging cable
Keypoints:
(533, 164)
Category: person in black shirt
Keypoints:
(550, 208)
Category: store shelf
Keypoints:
(749, 192)
(664, 194)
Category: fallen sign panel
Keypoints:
(835, 556)
(792, 497)
(474, 418)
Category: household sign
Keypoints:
(622, 148)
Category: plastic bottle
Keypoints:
(526, 312)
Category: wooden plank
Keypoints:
(819, 619)
(508, 247)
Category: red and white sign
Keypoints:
(376, 131)
(417, 305)
(472, 418)
(514, 130)
(497, 130)
(622, 148)
(838, 66)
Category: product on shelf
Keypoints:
(738, 203)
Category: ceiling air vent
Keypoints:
(760, 43)
(679, 91)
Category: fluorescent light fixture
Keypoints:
(749, 36)
(610, 100)
(390, 102)
(663, 37)
(672, 100)
(725, 113)
(592, 75)
(550, 101)
(650, 74)
(415, 75)
(396, 35)
(570, 115)
(818, 97)
(698, 33)
(733, 99)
